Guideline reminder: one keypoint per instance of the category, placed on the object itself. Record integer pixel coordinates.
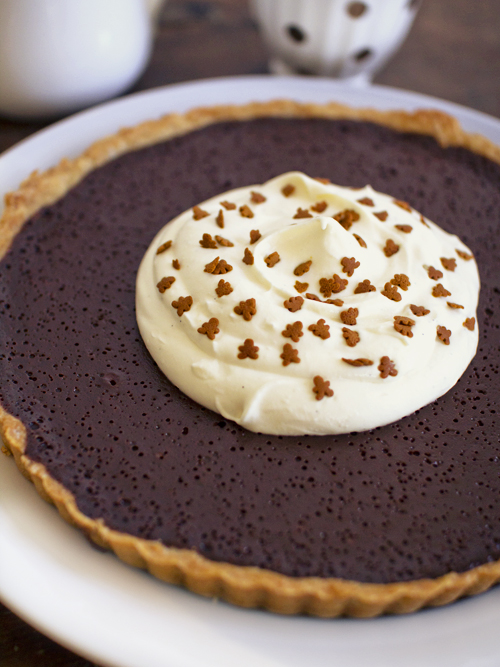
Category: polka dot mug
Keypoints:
(338, 38)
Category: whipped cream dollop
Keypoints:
(301, 307)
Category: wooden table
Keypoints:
(452, 52)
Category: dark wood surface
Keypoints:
(452, 52)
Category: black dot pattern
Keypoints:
(414, 499)
(295, 33)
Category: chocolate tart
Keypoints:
(384, 521)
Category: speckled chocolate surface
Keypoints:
(414, 499)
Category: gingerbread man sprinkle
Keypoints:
(199, 213)
(183, 304)
(223, 288)
(349, 316)
(247, 309)
(321, 388)
(352, 338)
(294, 303)
(391, 292)
(349, 264)
(320, 329)
(293, 331)
(165, 284)
(289, 355)
(248, 350)
(387, 367)
(443, 334)
(210, 328)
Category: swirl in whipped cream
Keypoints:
(301, 307)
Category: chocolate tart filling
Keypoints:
(415, 499)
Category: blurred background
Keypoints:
(451, 52)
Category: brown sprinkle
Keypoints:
(365, 286)
(257, 197)
(312, 297)
(332, 285)
(223, 288)
(272, 259)
(301, 287)
(391, 292)
(366, 201)
(229, 206)
(382, 215)
(402, 281)
(360, 240)
(319, 207)
(464, 255)
(294, 303)
(254, 236)
(302, 213)
(470, 323)
(165, 284)
(434, 274)
(176, 264)
(302, 268)
(346, 218)
(183, 304)
(450, 264)
(224, 242)
(438, 290)
(349, 264)
(247, 309)
(454, 305)
(321, 388)
(248, 350)
(387, 367)
(199, 213)
(419, 311)
(358, 362)
(220, 218)
(248, 257)
(391, 248)
(293, 331)
(217, 267)
(406, 229)
(403, 325)
(335, 302)
(210, 267)
(246, 211)
(325, 181)
(403, 205)
(288, 190)
(320, 329)
(422, 220)
(443, 334)
(351, 337)
(289, 355)
(222, 267)
(163, 247)
(210, 328)
(349, 316)
(208, 242)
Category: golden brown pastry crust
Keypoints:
(243, 586)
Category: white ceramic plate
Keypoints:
(118, 616)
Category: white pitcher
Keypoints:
(58, 56)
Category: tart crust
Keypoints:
(241, 585)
